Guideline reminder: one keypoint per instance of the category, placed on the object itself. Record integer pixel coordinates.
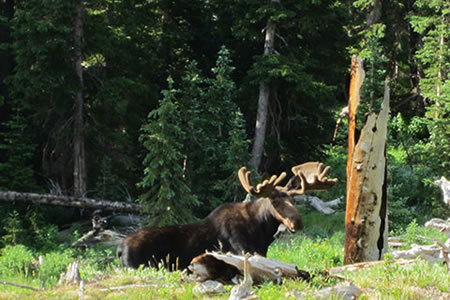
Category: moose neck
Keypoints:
(264, 213)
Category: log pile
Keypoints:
(438, 251)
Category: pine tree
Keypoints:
(168, 199)
(432, 22)
(18, 149)
(215, 124)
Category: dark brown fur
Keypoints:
(234, 227)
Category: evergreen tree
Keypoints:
(432, 22)
(17, 150)
(168, 199)
(215, 124)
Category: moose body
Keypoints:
(246, 227)
(232, 227)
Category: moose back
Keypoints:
(232, 227)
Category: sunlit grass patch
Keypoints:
(413, 234)
(310, 253)
(403, 282)
(105, 279)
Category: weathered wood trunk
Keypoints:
(366, 212)
(357, 78)
(79, 168)
(263, 101)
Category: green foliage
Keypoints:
(310, 253)
(44, 236)
(97, 260)
(196, 137)
(336, 158)
(315, 227)
(216, 145)
(414, 163)
(29, 227)
(17, 146)
(16, 260)
(168, 199)
(403, 192)
(106, 186)
(388, 280)
(413, 234)
(14, 229)
(53, 264)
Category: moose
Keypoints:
(244, 227)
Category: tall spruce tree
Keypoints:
(167, 199)
(18, 151)
(215, 125)
(432, 22)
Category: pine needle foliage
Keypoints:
(168, 199)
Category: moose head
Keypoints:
(306, 177)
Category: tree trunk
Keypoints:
(6, 59)
(263, 101)
(366, 213)
(79, 169)
(357, 78)
(10, 196)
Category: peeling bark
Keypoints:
(357, 78)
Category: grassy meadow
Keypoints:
(318, 248)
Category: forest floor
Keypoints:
(315, 250)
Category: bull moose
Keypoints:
(232, 227)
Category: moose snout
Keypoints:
(294, 225)
(298, 225)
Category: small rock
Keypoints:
(209, 287)
(345, 291)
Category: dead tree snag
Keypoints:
(366, 211)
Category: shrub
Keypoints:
(16, 260)
(14, 229)
(54, 263)
(97, 261)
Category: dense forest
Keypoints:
(157, 101)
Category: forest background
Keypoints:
(156, 101)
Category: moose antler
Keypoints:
(263, 189)
(313, 176)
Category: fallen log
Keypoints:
(129, 286)
(20, 285)
(319, 204)
(224, 267)
(364, 265)
(105, 237)
(431, 253)
(69, 201)
(439, 224)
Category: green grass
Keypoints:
(312, 250)
(310, 253)
(413, 232)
